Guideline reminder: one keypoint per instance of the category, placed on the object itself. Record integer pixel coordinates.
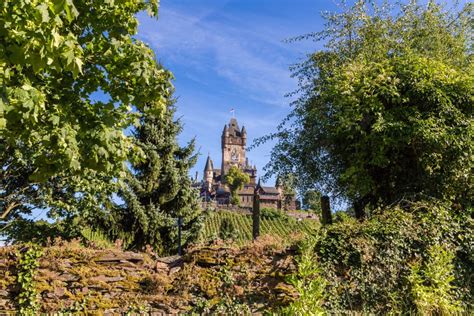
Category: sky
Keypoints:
(231, 55)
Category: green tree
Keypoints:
(236, 179)
(288, 185)
(384, 110)
(158, 189)
(227, 229)
(60, 148)
(312, 201)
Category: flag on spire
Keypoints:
(233, 112)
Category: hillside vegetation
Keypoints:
(274, 224)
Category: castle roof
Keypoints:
(270, 190)
(209, 166)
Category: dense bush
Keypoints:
(392, 262)
(271, 213)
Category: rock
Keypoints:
(118, 258)
(174, 270)
(127, 264)
(59, 291)
(68, 277)
(239, 290)
(160, 266)
(105, 279)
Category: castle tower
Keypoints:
(208, 173)
(233, 145)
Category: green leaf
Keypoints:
(44, 11)
(57, 6)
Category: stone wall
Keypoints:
(71, 278)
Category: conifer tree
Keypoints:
(158, 189)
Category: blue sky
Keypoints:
(231, 54)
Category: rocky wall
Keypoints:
(208, 279)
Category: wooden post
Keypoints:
(326, 218)
(180, 223)
(256, 215)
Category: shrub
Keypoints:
(369, 265)
(431, 283)
(271, 213)
(308, 283)
(227, 229)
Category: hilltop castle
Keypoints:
(214, 188)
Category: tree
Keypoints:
(312, 201)
(158, 189)
(288, 184)
(236, 179)
(61, 148)
(227, 229)
(384, 110)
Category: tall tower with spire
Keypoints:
(208, 173)
(233, 145)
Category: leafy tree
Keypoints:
(59, 147)
(227, 229)
(312, 201)
(236, 179)
(158, 190)
(384, 110)
(288, 184)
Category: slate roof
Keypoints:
(209, 166)
(270, 190)
(269, 197)
(247, 191)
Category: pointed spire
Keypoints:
(243, 132)
(225, 132)
(209, 166)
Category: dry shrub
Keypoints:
(267, 243)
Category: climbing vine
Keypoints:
(27, 265)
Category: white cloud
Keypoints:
(231, 52)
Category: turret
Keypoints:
(208, 171)
(225, 133)
(244, 135)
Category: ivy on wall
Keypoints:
(27, 265)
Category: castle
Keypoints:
(214, 188)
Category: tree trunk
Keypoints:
(256, 215)
(326, 211)
(359, 207)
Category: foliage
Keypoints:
(312, 201)
(158, 190)
(40, 231)
(389, 95)
(60, 148)
(236, 179)
(375, 267)
(96, 239)
(308, 283)
(284, 227)
(27, 264)
(431, 283)
(227, 230)
(271, 213)
(287, 184)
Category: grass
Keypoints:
(283, 226)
